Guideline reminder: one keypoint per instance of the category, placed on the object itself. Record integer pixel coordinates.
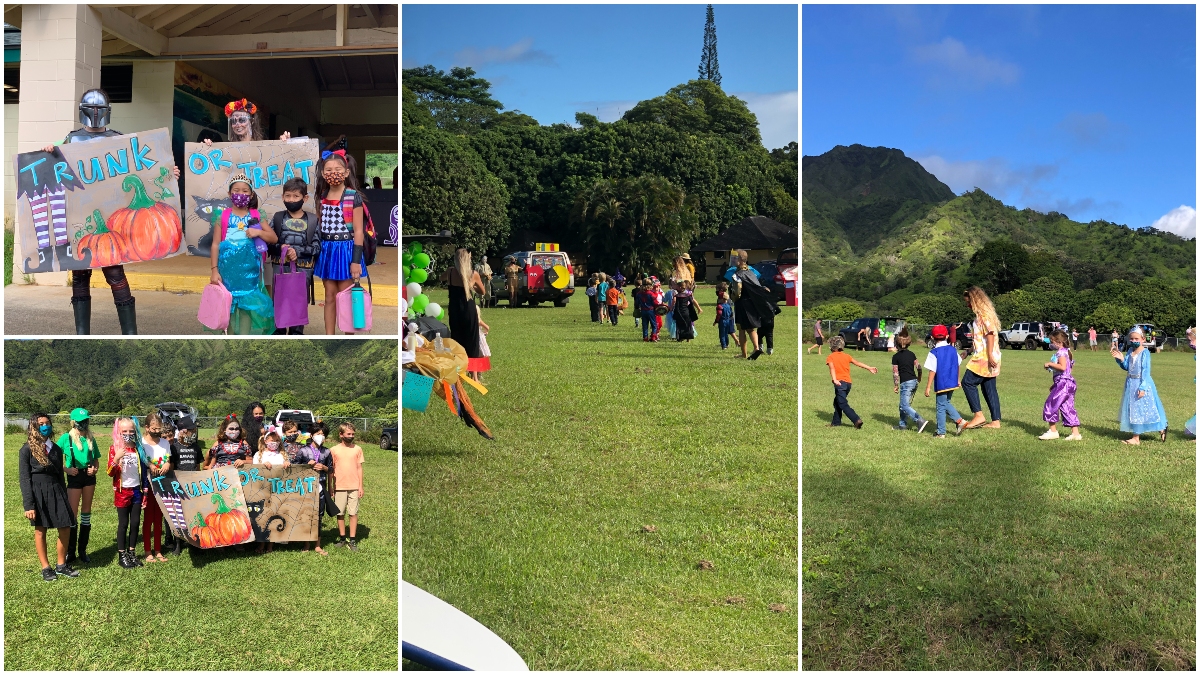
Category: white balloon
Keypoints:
(403, 306)
(413, 288)
(433, 310)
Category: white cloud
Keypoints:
(521, 51)
(1093, 130)
(778, 116)
(993, 175)
(954, 60)
(1181, 221)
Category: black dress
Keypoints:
(43, 489)
(464, 321)
(754, 304)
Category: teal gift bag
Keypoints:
(417, 389)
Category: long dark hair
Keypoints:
(248, 421)
(37, 442)
(322, 188)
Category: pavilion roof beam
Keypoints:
(372, 14)
(200, 19)
(304, 11)
(180, 11)
(131, 30)
(261, 19)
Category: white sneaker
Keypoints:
(1074, 437)
(922, 427)
(1048, 436)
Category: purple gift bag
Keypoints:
(291, 295)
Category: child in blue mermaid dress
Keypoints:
(1141, 409)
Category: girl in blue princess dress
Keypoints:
(1141, 409)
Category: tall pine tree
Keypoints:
(709, 69)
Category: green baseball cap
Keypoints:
(79, 415)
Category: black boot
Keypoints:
(71, 545)
(45, 262)
(67, 262)
(85, 532)
(123, 560)
(128, 318)
(83, 315)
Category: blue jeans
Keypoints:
(970, 383)
(907, 389)
(648, 324)
(945, 409)
(841, 405)
(724, 331)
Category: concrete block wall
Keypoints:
(153, 99)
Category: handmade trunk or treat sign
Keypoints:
(205, 508)
(108, 201)
(283, 503)
(268, 165)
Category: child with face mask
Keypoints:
(347, 483)
(237, 256)
(270, 454)
(1141, 409)
(44, 495)
(156, 448)
(187, 454)
(230, 447)
(296, 229)
(125, 467)
(341, 226)
(319, 459)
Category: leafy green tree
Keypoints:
(637, 224)
(348, 409)
(836, 311)
(1110, 316)
(1018, 305)
(458, 101)
(447, 186)
(935, 309)
(697, 107)
(999, 266)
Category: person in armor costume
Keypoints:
(95, 111)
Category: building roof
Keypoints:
(755, 232)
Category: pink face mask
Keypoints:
(272, 446)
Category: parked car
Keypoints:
(387, 440)
(303, 418)
(962, 335)
(536, 280)
(771, 277)
(879, 337)
(1155, 341)
(174, 412)
(1031, 334)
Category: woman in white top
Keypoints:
(270, 454)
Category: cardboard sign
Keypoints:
(268, 165)
(283, 503)
(205, 508)
(107, 201)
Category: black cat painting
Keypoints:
(204, 210)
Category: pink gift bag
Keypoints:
(215, 303)
(345, 311)
(291, 295)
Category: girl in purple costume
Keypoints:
(1061, 400)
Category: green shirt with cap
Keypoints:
(78, 455)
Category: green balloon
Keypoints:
(420, 260)
(407, 258)
(407, 273)
(415, 248)
(419, 302)
(419, 276)
(442, 316)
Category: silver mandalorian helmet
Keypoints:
(95, 108)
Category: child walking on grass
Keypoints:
(1061, 401)
(906, 374)
(942, 364)
(839, 363)
(724, 318)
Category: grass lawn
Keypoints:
(214, 610)
(539, 534)
(995, 550)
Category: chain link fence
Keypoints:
(368, 429)
(918, 331)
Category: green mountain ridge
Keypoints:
(878, 227)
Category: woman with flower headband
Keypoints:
(341, 262)
(237, 255)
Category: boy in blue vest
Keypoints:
(942, 364)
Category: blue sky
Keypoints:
(551, 61)
(1089, 110)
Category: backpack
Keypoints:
(370, 245)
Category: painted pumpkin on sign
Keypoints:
(232, 527)
(107, 247)
(204, 536)
(152, 228)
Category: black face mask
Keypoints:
(258, 418)
(293, 206)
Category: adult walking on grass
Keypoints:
(818, 338)
(751, 302)
(1092, 338)
(81, 462)
(839, 363)
(1141, 409)
(463, 315)
(983, 366)
(44, 495)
